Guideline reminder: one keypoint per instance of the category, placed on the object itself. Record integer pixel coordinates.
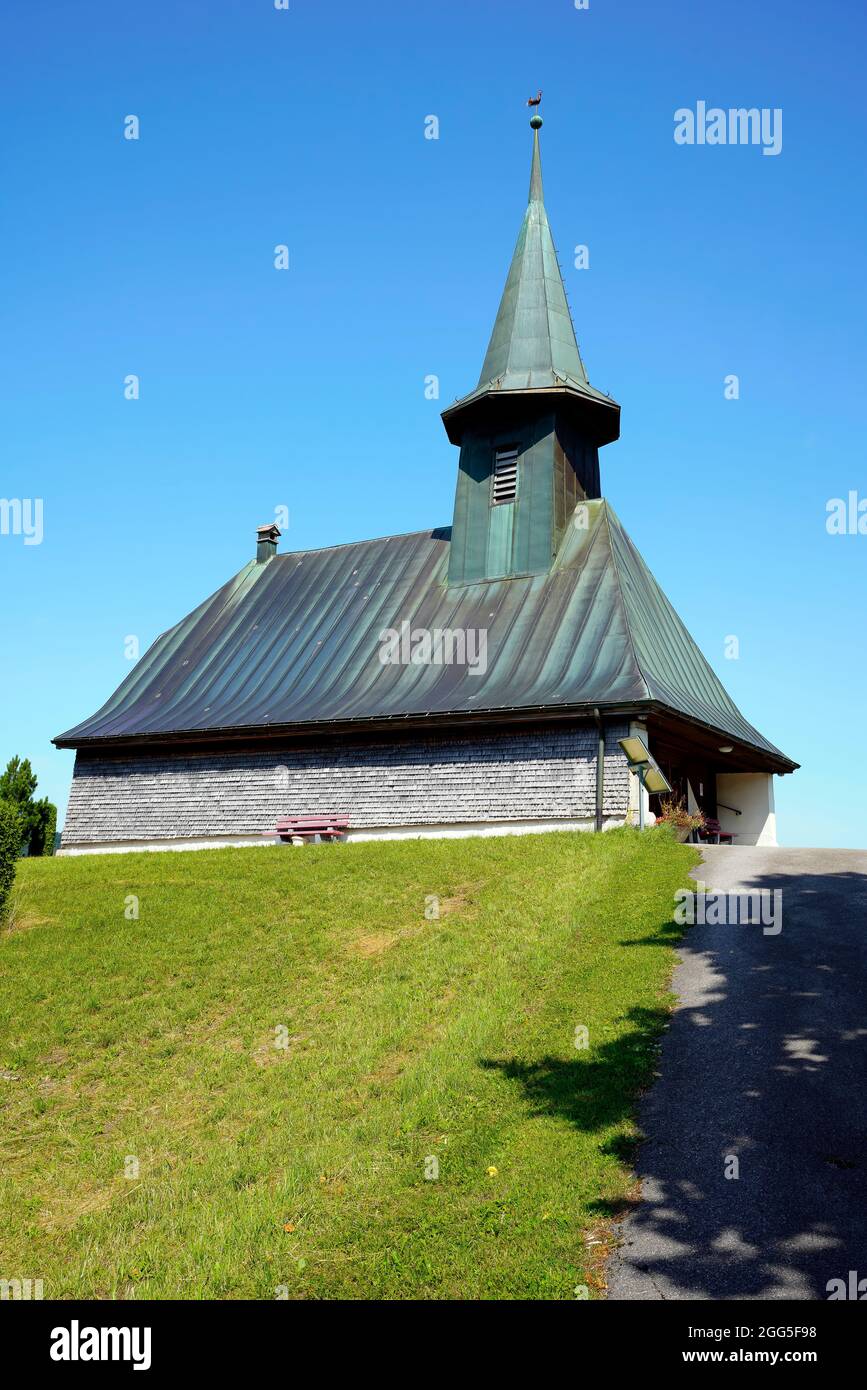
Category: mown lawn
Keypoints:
(159, 1142)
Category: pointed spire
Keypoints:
(536, 195)
(533, 345)
(533, 341)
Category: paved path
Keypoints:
(766, 1059)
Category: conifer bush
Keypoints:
(10, 850)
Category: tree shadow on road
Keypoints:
(754, 1173)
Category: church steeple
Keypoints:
(533, 399)
(533, 342)
(533, 345)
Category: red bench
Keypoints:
(297, 829)
(713, 832)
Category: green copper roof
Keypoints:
(533, 344)
(295, 644)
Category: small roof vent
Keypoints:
(266, 542)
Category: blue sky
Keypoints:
(305, 388)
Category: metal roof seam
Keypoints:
(623, 605)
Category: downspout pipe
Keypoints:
(600, 768)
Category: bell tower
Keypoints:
(530, 433)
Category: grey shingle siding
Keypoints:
(544, 774)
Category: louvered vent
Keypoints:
(505, 479)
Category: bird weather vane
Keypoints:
(534, 101)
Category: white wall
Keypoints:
(753, 794)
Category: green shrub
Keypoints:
(43, 824)
(10, 850)
(38, 818)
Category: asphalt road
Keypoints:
(765, 1063)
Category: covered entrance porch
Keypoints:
(727, 781)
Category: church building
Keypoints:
(471, 679)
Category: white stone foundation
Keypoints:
(388, 832)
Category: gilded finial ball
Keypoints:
(536, 122)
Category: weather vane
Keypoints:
(535, 119)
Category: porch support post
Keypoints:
(638, 729)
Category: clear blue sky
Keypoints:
(306, 388)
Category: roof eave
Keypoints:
(775, 760)
(600, 415)
(504, 715)
(366, 723)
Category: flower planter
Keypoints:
(681, 833)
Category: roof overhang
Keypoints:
(671, 731)
(704, 740)
(599, 415)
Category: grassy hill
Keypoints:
(247, 1090)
